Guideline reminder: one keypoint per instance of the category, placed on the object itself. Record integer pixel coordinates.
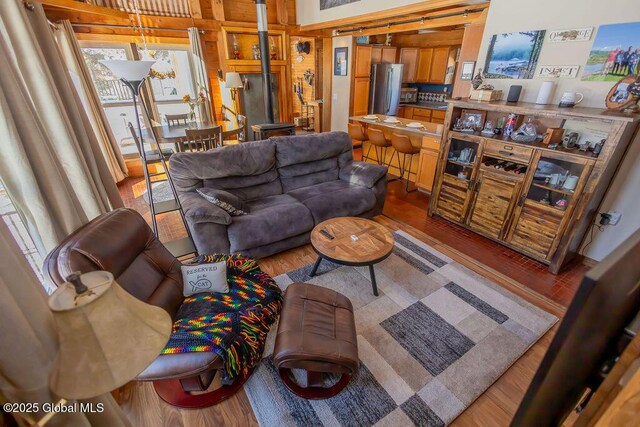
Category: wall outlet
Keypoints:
(335, 96)
(610, 218)
(614, 218)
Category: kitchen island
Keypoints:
(427, 138)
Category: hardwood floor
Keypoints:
(407, 212)
(411, 209)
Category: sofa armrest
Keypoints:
(197, 209)
(362, 173)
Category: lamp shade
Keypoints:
(233, 81)
(107, 336)
(129, 70)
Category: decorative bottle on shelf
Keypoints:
(272, 47)
(256, 52)
(236, 48)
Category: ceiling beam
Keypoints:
(148, 21)
(416, 26)
(194, 9)
(77, 6)
(421, 7)
(217, 6)
(281, 11)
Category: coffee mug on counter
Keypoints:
(570, 99)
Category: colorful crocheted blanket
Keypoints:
(232, 325)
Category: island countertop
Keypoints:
(429, 129)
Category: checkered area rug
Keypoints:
(433, 341)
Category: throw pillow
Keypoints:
(204, 278)
(224, 200)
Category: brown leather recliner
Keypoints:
(122, 243)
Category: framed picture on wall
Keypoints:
(514, 55)
(466, 71)
(340, 61)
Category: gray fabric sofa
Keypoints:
(288, 185)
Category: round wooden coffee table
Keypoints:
(356, 242)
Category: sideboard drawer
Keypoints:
(505, 150)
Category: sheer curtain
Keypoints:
(200, 72)
(52, 165)
(81, 77)
(30, 343)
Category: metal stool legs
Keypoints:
(403, 168)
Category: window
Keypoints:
(109, 88)
(173, 79)
(21, 235)
(173, 75)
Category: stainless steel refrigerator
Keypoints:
(384, 93)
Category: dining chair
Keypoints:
(153, 155)
(402, 145)
(177, 119)
(202, 139)
(242, 127)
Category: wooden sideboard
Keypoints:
(523, 207)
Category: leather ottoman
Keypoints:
(317, 333)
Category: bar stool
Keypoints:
(377, 140)
(402, 145)
(358, 137)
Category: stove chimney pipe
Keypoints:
(265, 58)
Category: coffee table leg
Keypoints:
(315, 267)
(372, 273)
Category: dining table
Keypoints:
(175, 134)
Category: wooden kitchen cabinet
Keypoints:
(409, 60)
(422, 114)
(383, 54)
(376, 55)
(362, 63)
(389, 55)
(437, 116)
(439, 64)
(424, 65)
(427, 164)
(361, 96)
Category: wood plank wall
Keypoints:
(236, 11)
(245, 11)
(297, 73)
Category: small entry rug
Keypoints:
(161, 192)
(433, 341)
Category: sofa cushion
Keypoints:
(335, 198)
(307, 174)
(248, 187)
(303, 161)
(189, 170)
(224, 200)
(270, 219)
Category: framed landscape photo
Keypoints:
(340, 61)
(466, 71)
(514, 55)
(328, 4)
